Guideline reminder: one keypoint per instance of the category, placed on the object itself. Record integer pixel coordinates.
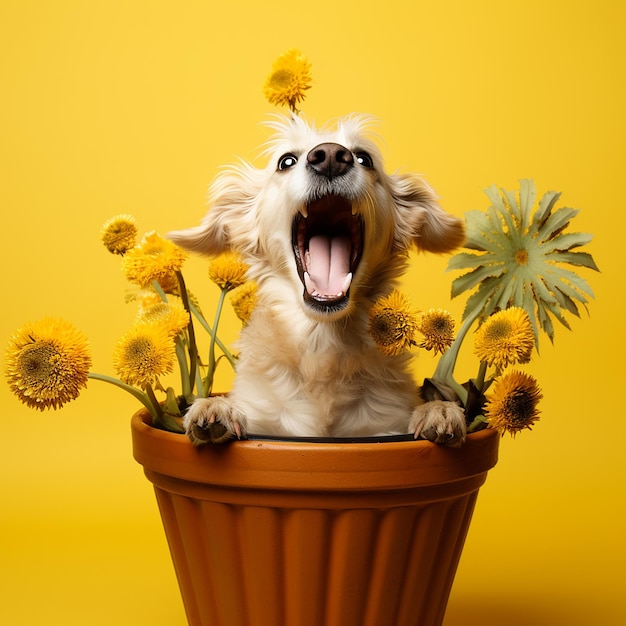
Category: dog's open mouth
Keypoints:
(327, 245)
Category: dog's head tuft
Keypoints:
(323, 217)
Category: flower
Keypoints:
(143, 354)
(154, 259)
(171, 315)
(393, 323)
(145, 297)
(228, 271)
(47, 363)
(289, 79)
(243, 300)
(505, 337)
(119, 234)
(437, 326)
(513, 405)
(521, 258)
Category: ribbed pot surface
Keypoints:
(314, 534)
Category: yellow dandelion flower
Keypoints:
(393, 323)
(145, 298)
(169, 283)
(513, 405)
(243, 300)
(144, 354)
(228, 271)
(505, 337)
(289, 79)
(47, 363)
(171, 315)
(437, 326)
(155, 258)
(119, 234)
(193, 301)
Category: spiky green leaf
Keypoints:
(556, 222)
(566, 302)
(522, 259)
(473, 278)
(527, 197)
(477, 224)
(565, 242)
(465, 260)
(546, 204)
(581, 259)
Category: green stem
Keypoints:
(208, 385)
(192, 348)
(155, 404)
(200, 384)
(480, 379)
(185, 379)
(205, 325)
(460, 391)
(479, 420)
(445, 368)
(162, 420)
(137, 393)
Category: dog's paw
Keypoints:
(440, 422)
(213, 420)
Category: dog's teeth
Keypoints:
(308, 283)
(304, 212)
(346, 284)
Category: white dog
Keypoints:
(326, 232)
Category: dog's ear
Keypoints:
(229, 224)
(420, 220)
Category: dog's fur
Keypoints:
(308, 366)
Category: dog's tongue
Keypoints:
(328, 267)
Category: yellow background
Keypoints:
(131, 106)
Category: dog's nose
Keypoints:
(330, 159)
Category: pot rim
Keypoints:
(256, 463)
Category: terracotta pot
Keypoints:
(270, 533)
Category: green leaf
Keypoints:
(513, 237)
(513, 207)
(556, 222)
(465, 260)
(527, 302)
(558, 314)
(546, 323)
(471, 279)
(541, 290)
(546, 204)
(476, 225)
(171, 403)
(494, 299)
(566, 302)
(582, 259)
(507, 293)
(565, 242)
(494, 195)
(569, 290)
(527, 197)
(476, 303)
(574, 279)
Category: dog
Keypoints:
(325, 232)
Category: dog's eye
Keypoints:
(364, 159)
(286, 161)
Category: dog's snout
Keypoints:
(330, 159)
